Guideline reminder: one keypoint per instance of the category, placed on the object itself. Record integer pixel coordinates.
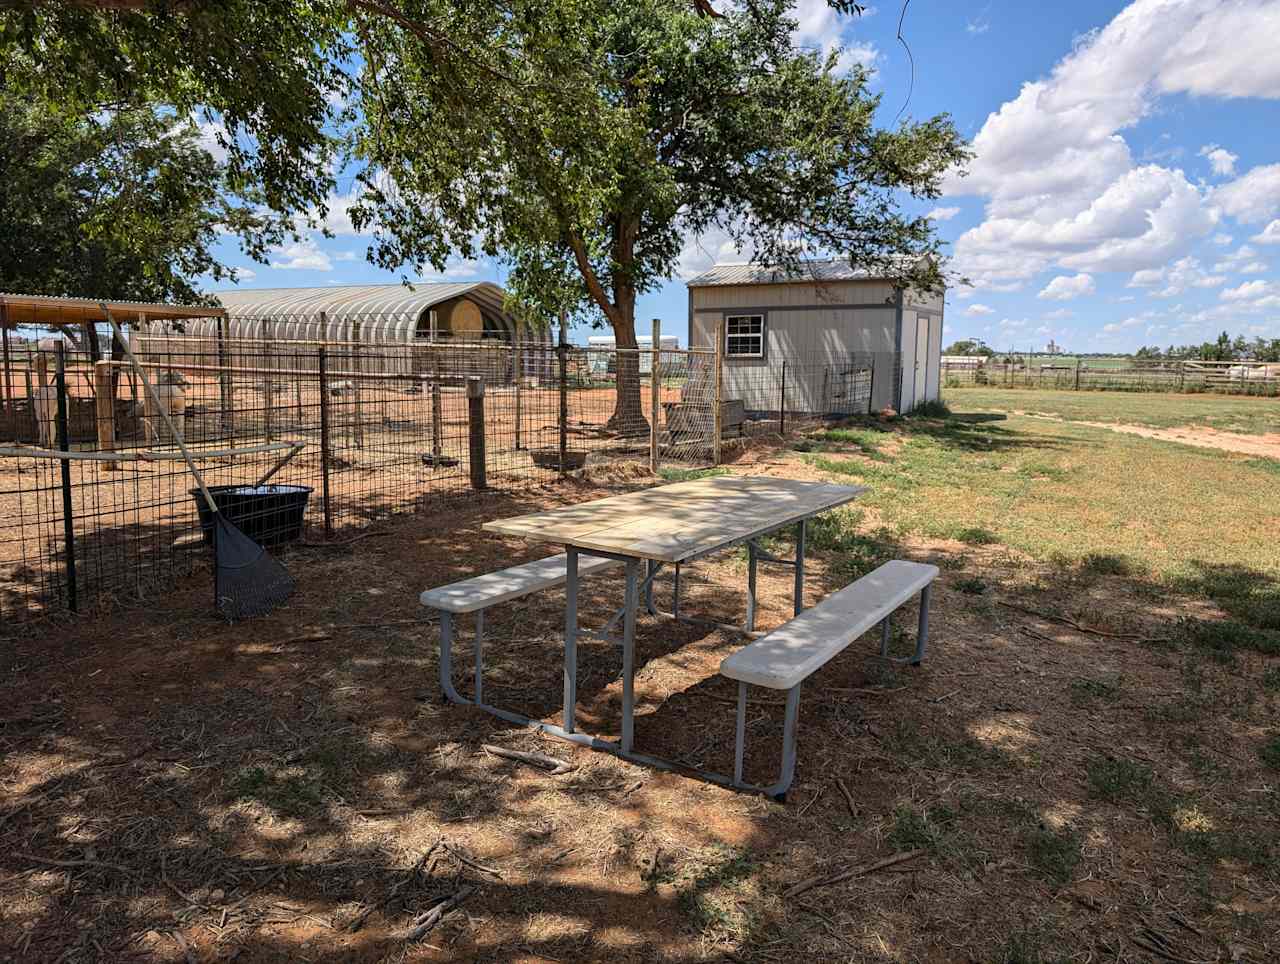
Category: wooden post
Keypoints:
(1077, 374)
(475, 432)
(655, 395)
(8, 371)
(225, 388)
(517, 372)
(562, 349)
(105, 410)
(437, 409)
(717, 416)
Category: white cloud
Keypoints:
(977, 27)
(1221, 160)
(819, 27)
(1270, 234)
(1244, 260)
(943, 214)
(1222, 240)
(337, 219)
(302, 256)
(210, 134)
(1064, 288)
(345, 256)
(245, 274)
(1059, 313)
(1117, 326)
(1175, 278)
(1250, 291)
(1253, 197)
(973, 311)
(1061, 184)
(701, 252)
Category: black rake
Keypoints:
(248, 581)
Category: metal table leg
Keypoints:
(800, 534)
(570, 636)
(629, 655)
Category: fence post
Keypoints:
(68, 519)
(717, 417)
(562, 350)
(871, 386)
(655, 395)
(268, 391)
(323, 368)
(8, 373)
(224, 380)
(105, 410)
(1077, 374)
(437, 420)
(517, 370)
(782, 401)
(1182, 376)
(475, 431)
(357, 366)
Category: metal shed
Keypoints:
(824, 320)
(381, 314)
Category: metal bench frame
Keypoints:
(638, 588)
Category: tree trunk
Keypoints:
(628, 417)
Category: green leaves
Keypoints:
(613, 131)
(126, 204)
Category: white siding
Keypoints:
(816, 344)
(933, 383)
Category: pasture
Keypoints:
(1086, 768)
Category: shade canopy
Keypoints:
(51, 312)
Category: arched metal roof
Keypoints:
(385, 312)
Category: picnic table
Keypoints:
(667, 526)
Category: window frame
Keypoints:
(753, 316)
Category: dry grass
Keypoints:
(1087, 759)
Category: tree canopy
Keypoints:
(605, 134)
(123, 204)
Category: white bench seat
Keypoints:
(794, 651)
(481, 592)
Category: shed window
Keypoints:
(744, 336)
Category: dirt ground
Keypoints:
(1265, 446)
(134, 521)
(296, 789)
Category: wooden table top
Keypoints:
(673, 523)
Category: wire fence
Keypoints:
(309, 439)
(1233, 378)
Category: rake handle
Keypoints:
(163, 410)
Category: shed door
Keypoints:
(920, 394)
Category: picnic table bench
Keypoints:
(671, 526)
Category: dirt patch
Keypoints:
(175, 789)
(1265, 446)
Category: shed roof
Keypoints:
(50, 311)
(745, 273)
(347, 303)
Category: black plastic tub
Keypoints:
(267, 514)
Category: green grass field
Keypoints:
(1228, 413)
(1082, 498)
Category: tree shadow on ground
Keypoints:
(180, 789)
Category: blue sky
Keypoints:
(1126, 189)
